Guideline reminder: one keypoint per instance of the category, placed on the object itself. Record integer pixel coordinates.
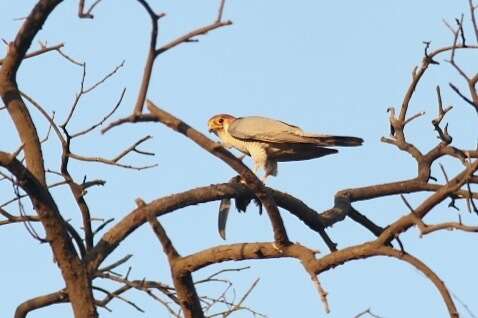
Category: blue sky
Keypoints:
(330, 67)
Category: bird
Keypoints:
(269, 141)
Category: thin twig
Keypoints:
(42, 50)
(114, 161)
(116, 294)
(118, 103)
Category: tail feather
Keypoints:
(342, 141)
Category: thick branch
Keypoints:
(72, 268)
(163, 237)
(9, 90)
(177, 201)
(183, 281)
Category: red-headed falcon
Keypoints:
(268, 141)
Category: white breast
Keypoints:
(256, 150)
(230, 141)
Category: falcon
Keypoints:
(268, 141)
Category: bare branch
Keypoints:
(153, 51)
(118, 103)
(191, 35)
(413, 117)
(418, 74)
(473, 19)
(115, 160)
(148, 67)
(220, 11)
(134, 118)
(463, 96)
(116, 294)
(45, 114)
(86, 14)
(102, 226)
(84, 91)
(104, 79)
(43, 49)
(210, 277)
(447, 226)
(366, 312)
(73, 269)
(168, 246)
(237, 306)
(69, 58)
(143, 285)
(39, 302)
(443, 135)
(322, 292)
(119, 262)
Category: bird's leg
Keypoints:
(259, 156)
(270, 169)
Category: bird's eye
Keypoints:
(221, 120)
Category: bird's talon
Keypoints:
(277, 248)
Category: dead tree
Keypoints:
(82, 256)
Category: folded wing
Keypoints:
(255, 128)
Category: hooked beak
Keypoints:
(211, 128)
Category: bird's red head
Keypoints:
(219, 122)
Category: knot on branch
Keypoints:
(342, 207)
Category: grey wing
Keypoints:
(265, 129)
(269, 130)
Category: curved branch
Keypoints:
(72, 268)
(265, 250)
(370, 249)
(9, 90)
(422, 267)
(242, 251)
(451, 226)
(216, 192)
(418, 73)
(177, 201)
(39, 302)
